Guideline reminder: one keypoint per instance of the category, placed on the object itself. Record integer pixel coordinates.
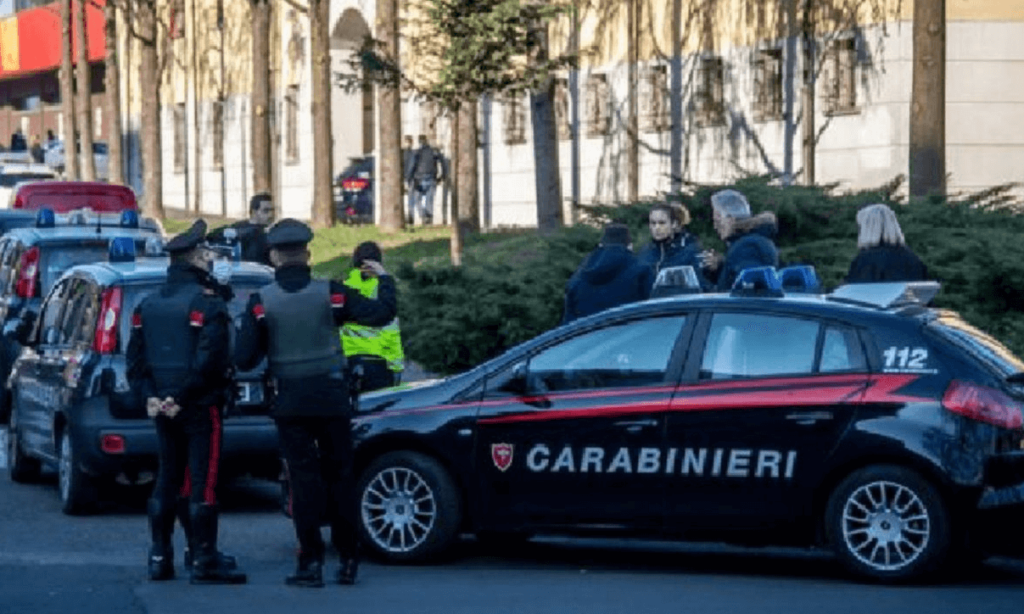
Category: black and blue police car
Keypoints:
(71, 403)
(861, 420)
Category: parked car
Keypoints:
(13, 174)
(54, 158)
(353, 192)
(16, 157)
(33, 258)
(63, 196)
(71, 403)
(861, 420)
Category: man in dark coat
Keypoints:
(609, 276)
(883, 255)
(251, 234)
(750, 239)
(178, 357)
(294, 323)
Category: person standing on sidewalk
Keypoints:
(294, 322)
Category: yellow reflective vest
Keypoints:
(385, 341)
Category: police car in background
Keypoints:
(71, 405)
(861, 420)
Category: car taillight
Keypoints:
(983, 404)
(112, 444)
(19, 202)
(28, 274)
(354, 184)
(105, 340)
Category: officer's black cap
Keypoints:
(188, 240)
(289, 233)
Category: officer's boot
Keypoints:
(349, 569)
(185, 520)
(161, 553)
(207, 567)
(309, 573)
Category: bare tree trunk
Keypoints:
(67, 93)
(149, 83)
(323, 202)
(112, 85)
(260, 151)
(84, 106)
(454, 172)
(807, 95)
(547, 176)
(468, 218)
(632, 125)
(390, 174)
(928, 100)
(676, 98)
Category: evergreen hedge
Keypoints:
(455, 318)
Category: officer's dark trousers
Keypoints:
(318, 452)
(376, 374)
(190, 441)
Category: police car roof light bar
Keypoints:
(758, 281)
(887, 295)
(46, 218)
(800, 278)
(129, 218)
(121, 249)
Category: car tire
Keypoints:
(77, 490)
(410, 509)
(888, 524)
(21, 467)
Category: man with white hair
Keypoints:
(750, 239)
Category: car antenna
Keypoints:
(99, 224)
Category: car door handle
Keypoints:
(807, 418)
(635, 426)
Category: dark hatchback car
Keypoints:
(353, 192)
(862, 420)
(70, 400)
(33, 257)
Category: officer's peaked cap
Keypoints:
(188, 240)
(289, 233)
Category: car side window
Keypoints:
(755, 345)
(79, 308)
(629, 354)
(841, 351)
(50, 318)
(7, 266)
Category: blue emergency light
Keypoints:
(800, 278)
(121, 249)
(129, 218)
(758, 281)
(45, 218)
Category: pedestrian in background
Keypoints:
(252, 233)
(882, 252)
(671, 244)
(608, 277)
(178, 357)
(293, 322)
(750, 240)
(37, 150)
(425, 171)
(376, 351)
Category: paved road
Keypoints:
(53, 563)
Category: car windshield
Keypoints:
(9, 180)
(979, 344)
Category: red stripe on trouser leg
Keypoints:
(186, 485)
(210, 492)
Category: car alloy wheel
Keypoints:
(76, 489)
(886, 525)
(399, 509)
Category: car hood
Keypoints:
(411, 395)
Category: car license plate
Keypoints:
(250, 393)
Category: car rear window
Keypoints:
(56, 258)
(979, 344)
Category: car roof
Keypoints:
(154, 269)
(33, 235)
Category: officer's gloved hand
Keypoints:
(221, 272)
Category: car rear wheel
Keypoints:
(77, 490)
(887, 523)
(22, 468)
(409, 507)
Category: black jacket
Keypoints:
(608, 277)
(751, 245)
(322, 395)
(886, 263)
(681, 249)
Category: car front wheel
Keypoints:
(409, 507)
(887, 523)
(77, 491)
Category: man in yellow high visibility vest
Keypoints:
(378, 350)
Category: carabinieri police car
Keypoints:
(861, 420)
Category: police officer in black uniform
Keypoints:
(179, 358)
(294, 323)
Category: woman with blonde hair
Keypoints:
(882, 253)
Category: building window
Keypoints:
(839, 77)
(654, 100)
(179, 138)
(514, 118)
(768, 85)
(598, 111)
(291, 122)
(563, 119)
(218, 134)
(709, 98)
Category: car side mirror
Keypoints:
(25, 327)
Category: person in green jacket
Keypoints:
(378, 350)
